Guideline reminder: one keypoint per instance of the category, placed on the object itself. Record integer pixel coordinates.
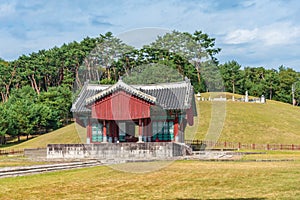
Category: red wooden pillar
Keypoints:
(89, 131)
(110, 132)
(117, 135)
(145, 129)
(140, 130)
(104, 132)
(114, 130)
(176, 121)
(149, 130)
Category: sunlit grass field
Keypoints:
(180, 180)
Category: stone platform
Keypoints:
(123, 151)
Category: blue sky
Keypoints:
(252, 32)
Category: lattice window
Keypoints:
(97, 132)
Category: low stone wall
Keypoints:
(124, 151)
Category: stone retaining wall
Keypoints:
(124, 151)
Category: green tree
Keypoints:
(152, 73)
(7, 75)
(254, 80)
(105, 55)
(20, 108)
(287, 77)
(271, 81)
(232, 76)
(148, 55)
(59, 100)
(212, 77)
(4, 123)
(196, 48)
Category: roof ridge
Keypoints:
(189, 91)
(162, 85)
(84, 87)
(121, 85)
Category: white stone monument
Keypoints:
(246, 97)
(198, 96)
(262, 99)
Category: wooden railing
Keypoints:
(201, 144)
(12, 152)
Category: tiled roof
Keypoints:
(87, 91)
(120, 85)
(178, 95)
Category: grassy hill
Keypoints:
(273, 122)
(66, 135)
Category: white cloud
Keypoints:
(143, 36)
(7, 9)
(280, 34)
(274, 34)
(241, 36)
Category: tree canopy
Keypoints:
(151, 74)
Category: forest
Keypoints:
(37, 90)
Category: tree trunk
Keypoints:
(7, 86)
(61, 75)
(233, 88)
(199, 76)
(2, 139)
(97, 74)
(108, 73)
(126, 66)
(3, 97)
(198, 72)
(46, 83)
(31, 82)
(78, 82)
(115, 74)
(36, 87)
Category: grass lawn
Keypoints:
(180, 180)
(11, 161)
(66, 135)
(273, 155)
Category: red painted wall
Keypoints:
(120, 106)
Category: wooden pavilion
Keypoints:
(135, 113)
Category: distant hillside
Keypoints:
(273, 122)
